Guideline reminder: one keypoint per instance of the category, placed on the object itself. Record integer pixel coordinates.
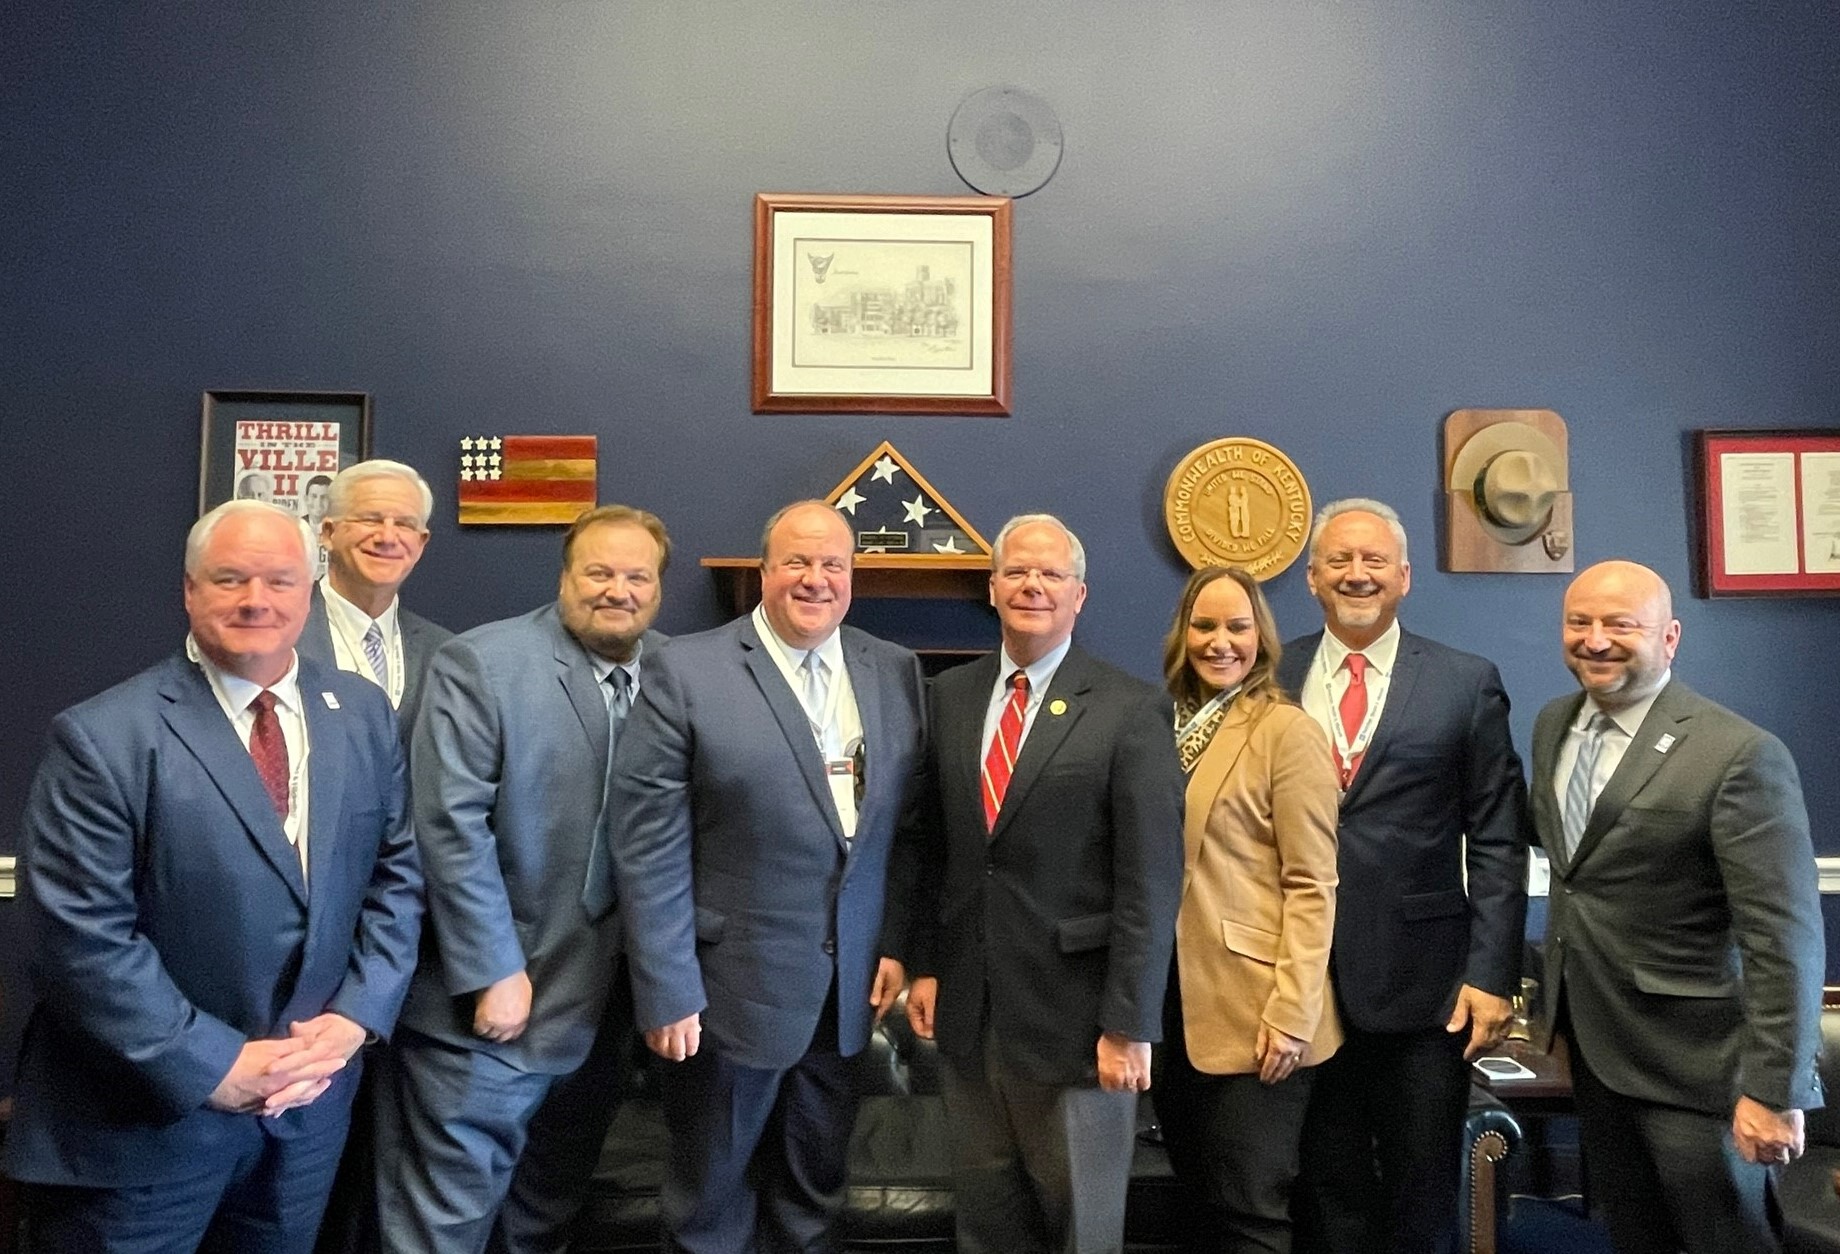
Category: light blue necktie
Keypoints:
(373, 652)
(816, 690)
(600, 892)
(1578, 798)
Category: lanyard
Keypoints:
(1201, 716)
(1346, 752)
(360, 664)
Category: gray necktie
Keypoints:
(1578, 798)
(816, 688)
(373, 652)
(600, 892)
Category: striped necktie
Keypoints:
(1579, 795)
(1000, 758)
(373, 653)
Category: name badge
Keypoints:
(1665, 743)
(332, 702)
(841, 773)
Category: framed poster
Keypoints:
(280, 446)
(881, 304)
(1768, 513)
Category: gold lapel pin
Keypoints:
(1057, 706)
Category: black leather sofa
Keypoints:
(900, 1194)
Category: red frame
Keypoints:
(1714, 580)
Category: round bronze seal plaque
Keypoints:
(1238, 502)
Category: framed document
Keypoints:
(1768, 517)
(881, 304)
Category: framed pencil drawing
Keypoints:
(881, 304)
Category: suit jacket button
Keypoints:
(830, 946)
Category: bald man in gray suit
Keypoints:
(1684, 952)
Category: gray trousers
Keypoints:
(1038, 1168)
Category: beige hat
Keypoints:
(1514, 474)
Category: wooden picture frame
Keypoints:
(1767, 512)
(881, 304)
(278, 445)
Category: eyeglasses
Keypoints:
(377, 522)
(1050, 578)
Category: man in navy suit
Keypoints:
(221, 901)
(374, 531)
(1423, 964)
(492, 1104)
(760, 786)
(1055, 812)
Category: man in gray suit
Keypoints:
(760, 786)
(509, 1046)
(374, 531)
(1684, 953)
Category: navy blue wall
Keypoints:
(1322, 224)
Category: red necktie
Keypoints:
(1000, 758)
(1353, 712)
(269, 750)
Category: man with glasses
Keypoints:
(374, 531)
(1056, 810)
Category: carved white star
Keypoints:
(466, 442)
(917, 509)
(950, 546)
(466, 459)
(886, 469)
(494, 459)
(494, 443)
(850, 499)
(465, 475)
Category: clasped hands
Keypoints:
(272, 1076)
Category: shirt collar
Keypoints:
(1040, 671)
(236, 692)
(356, 621)
(1629, 719)
(1380, 655)
(604, 667)
(830, 651)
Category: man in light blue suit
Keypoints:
(374, 531)
(493, 1102)
(760, 787)
(221, 902)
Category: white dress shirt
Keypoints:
(1328, 679)
(838, 729)
(349, 625)
(1610, 750)
(234, 696)
(1040, 673)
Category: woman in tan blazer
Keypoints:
(1249, 1011)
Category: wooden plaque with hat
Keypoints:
(1507, 492)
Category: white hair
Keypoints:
(200, 535)
(1359, 505)
(1030, 520)
(338, 496)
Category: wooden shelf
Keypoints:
(941, 577)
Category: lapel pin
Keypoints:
(332, 702)
(1665, 743)
(1057, 706)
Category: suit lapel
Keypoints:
(961, 731)
(1548, 735)
(1407, 665)
(1061, 708)
(792, 721)
(198, 721)
(863, 677)
(1667, 716)
(327, 766)
(576, 675)
(1210, 775)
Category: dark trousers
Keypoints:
(253, 1194)
(1233, 1142)
(472, 1154)
(1668, 1179)
(1383, 1145)
(758, 1157)
(1037, 1168)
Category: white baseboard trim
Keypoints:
(9, 876)
(1830, 874)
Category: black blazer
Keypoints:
(1059, 924)
(1441, 766)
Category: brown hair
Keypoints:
(1261, 682)
(628, 514)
